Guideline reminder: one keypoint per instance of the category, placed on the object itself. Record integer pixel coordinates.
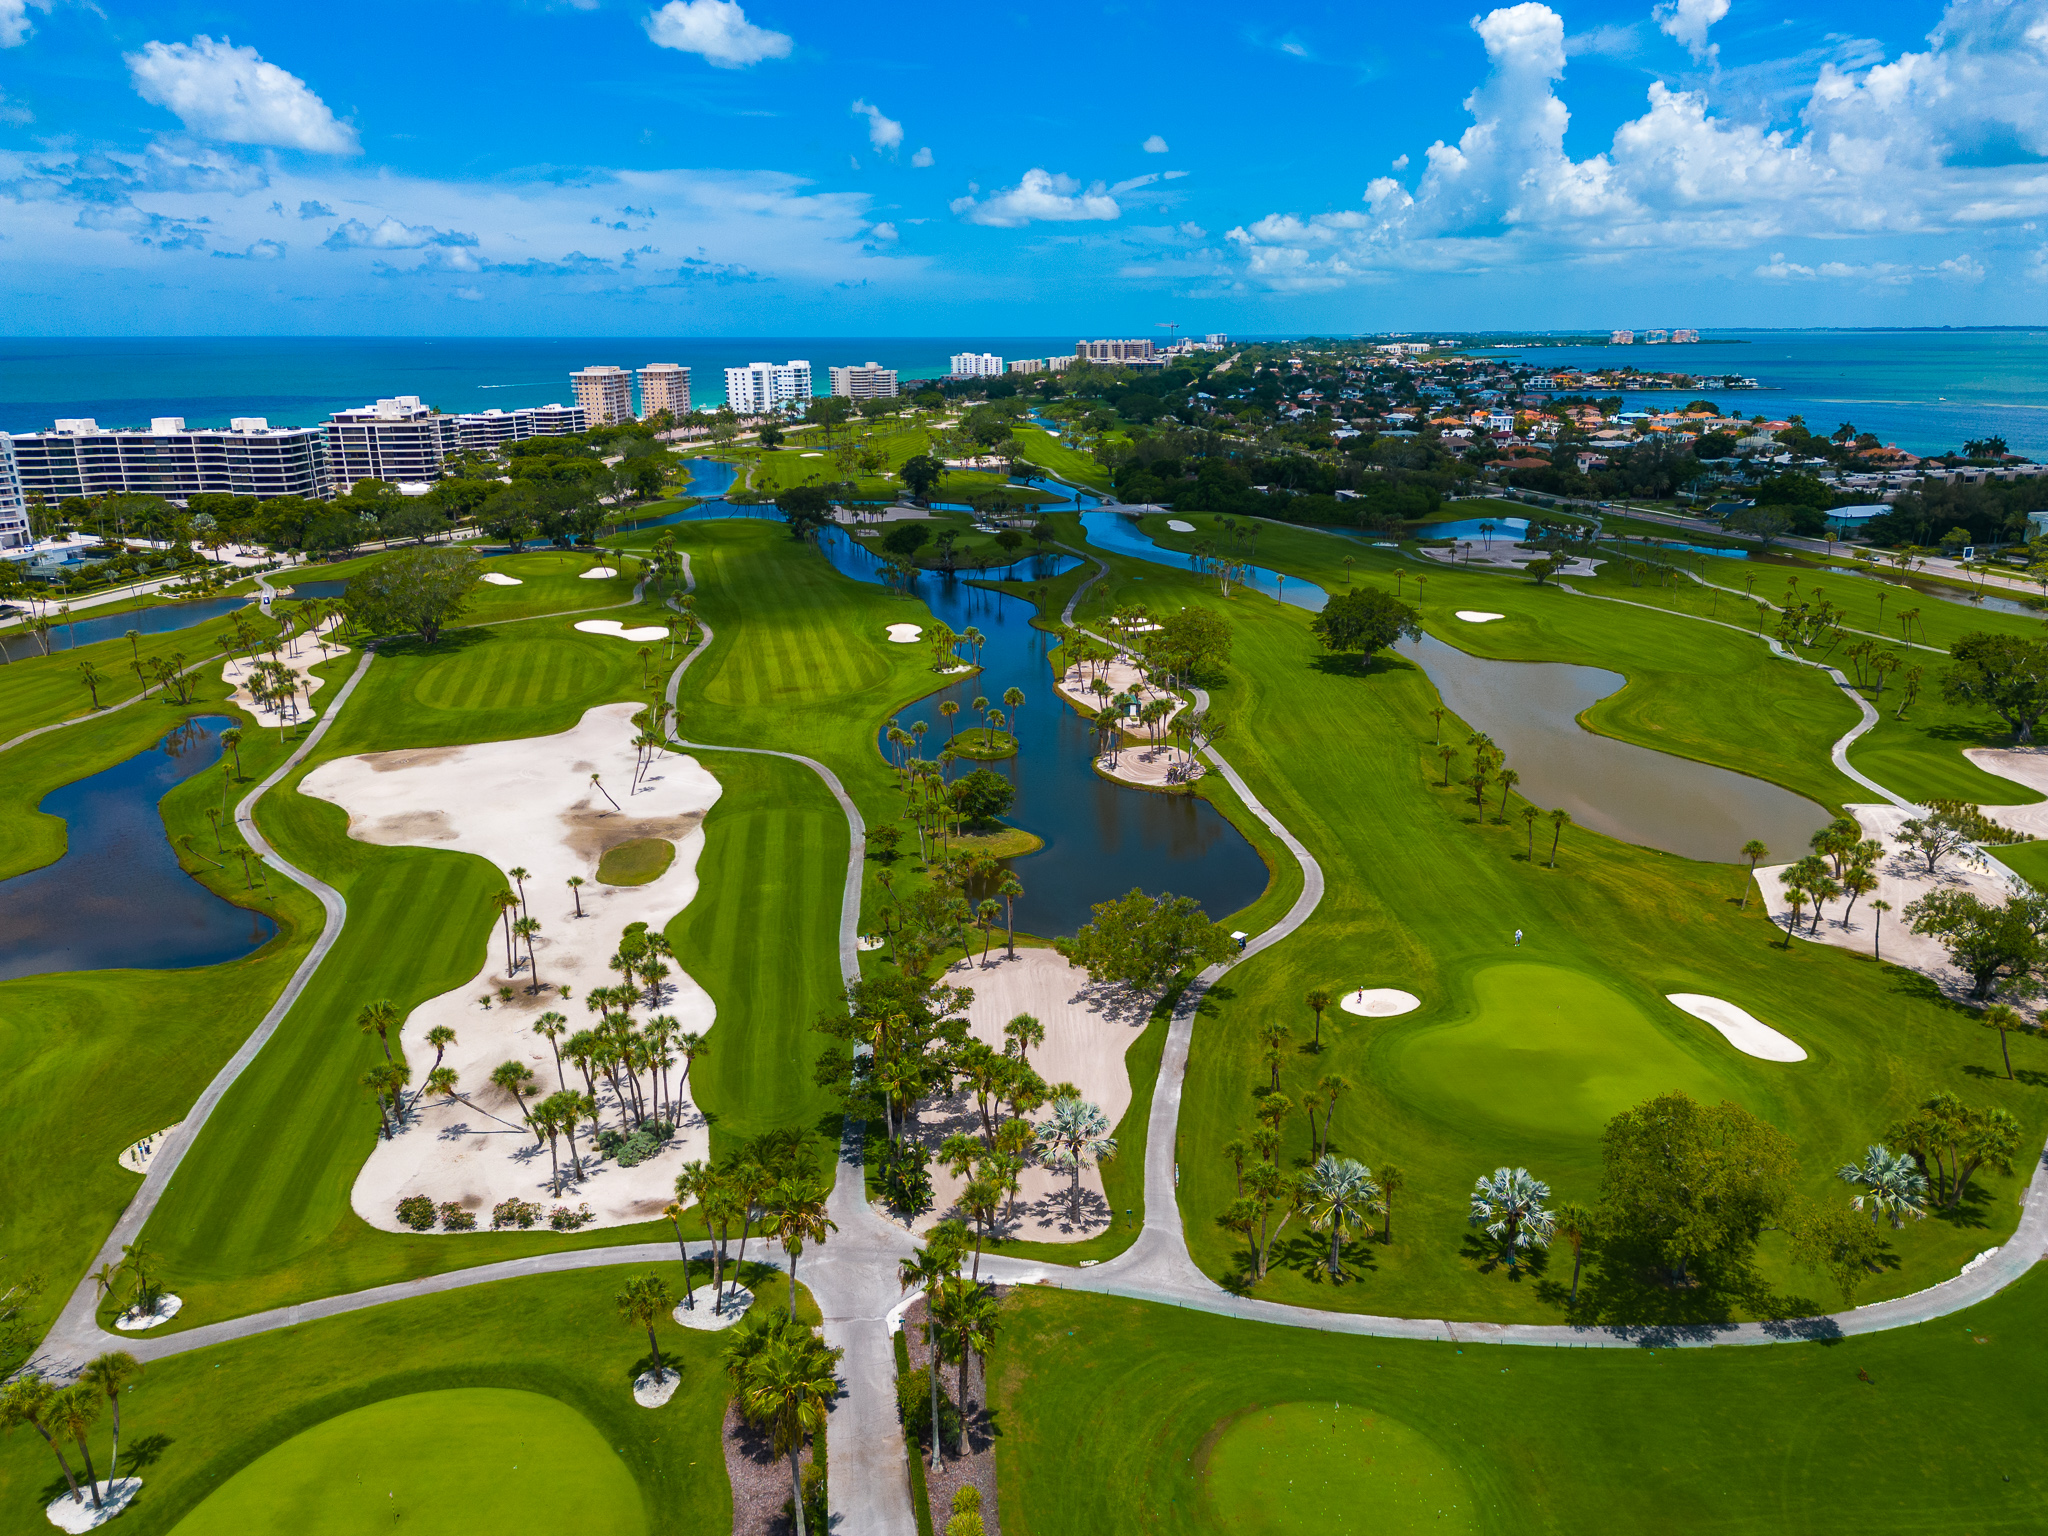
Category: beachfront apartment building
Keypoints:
(402, 440)
(487, 431)
(248, 457)
(664, 387)
(866, 381)
(14, 531)
(760, 388)
(975, 365)
(1126, 351)
(606, 394)
(1621, 338)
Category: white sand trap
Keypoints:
(651, 1391)
(702, 1318)
(904, 634)
(69, 1515)
(1379, 1002)
(2023, 765)
(500, 579)
(1474, 616)
(529, 802)
(301, 654)
(167, 1307)
(1088, 1028)
(1747, 1033)
(810, 455)
(137, 1158)
(599, 573)
(641, 633)
(1178, 526)
(869, 942)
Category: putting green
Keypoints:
(639, 862)
(1550, 1050)
(473, 1458)
(1331, 1469)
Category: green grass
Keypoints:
(550, 581)
(639, 862)
(194, 1421)
(42, 690)
(1118, 1416)
(1072, 465)
(461, 1456)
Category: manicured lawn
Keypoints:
(192, 1422)
(1073, 465)
(1119, 1416)
(550, 581)
(459, 1457)
(636, 863)
(39, 690)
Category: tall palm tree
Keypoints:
(1317, 1000)
(1339, 1193)
(92, 677)
(507, 904)
(1076, 1135)
(645, 1299)
(1013, 700)
(520, 877)
(108, 1374)
(386, 1082)
(1893, 1185)
(551, 1026)
(516, 1078)
(1508, 779)
(524, 930)
(1509, 1203)
(1559, 820)
(1529, 816)
(27, 1400)
(948, 708)
(73, 1412)
(231, 738)
(927, 1270)
(379, 1018)
(1574, 1223)
(969, 1312)
(790, 1385)
(796, 1209)
(1010, 888)
(576, 884)
(547, 1126)
(2001, 1018)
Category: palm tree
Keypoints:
(525, 929)
(969, 1312)
(1574, 1223)
(1559, 820)
(1509, 1203)
(73, 1412)
(516, 1078)
(27, 1400)
(1508, 779)
(440, 1037)
(1338, 1192)
(1529, 815)
(927, 1270)
(1877, 932)
(790, 1385)
(377, 1019)
(797, 1206)
(386, 1082)
(551, 1026)
(646, 1298)
(1317, 1001)
(93, 678)
(109, 1373)
(1013, 699)
(231, 738)
(1450, 756)
(1893, 1184)
(1076, 1135)
(547, 1126)
(948, 708)
(2001, 1018)
(576, 884)
(1024, 1032)
(519, 876)
(1754, 851)
(1010, 889)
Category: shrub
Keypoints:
(455, 1219)
(965, 1499)
(907, 1182)
(514, 1213)
(966, 1523)
(417, 1212)
(641, 1145)
(609, 1141)
(914, 1406)
(562, 1219)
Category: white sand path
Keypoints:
(1379, 1002)
(500, 579)
(1740, 1028)
(640, 634)
(300, 654)
(530, 803)
(1088, 1028)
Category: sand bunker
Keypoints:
(1474, 616)
(810, 455)
(78, 1515)
(1379, 1002)
(1743, 1030)
(1088, 1028)
(904, 634)
(500, 579)
(1178, 526)
(651, 1391)
(599, 573)
(530, 802)
(2023, 765)
(300, 655)
(642, 633)
(167, 1307)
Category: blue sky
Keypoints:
(704, 167)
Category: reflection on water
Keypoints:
(317, 591)
(1633, 793)
(1101, 838)
(1121, 535)
(146, 621)
(117, 899)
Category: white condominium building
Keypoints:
(760, 388)
(1621, 338)
(486, 431)
(976, 365)
(1113, 351)
(248, 457)
(605, 393)
(866, 381)
(399, 440)
(14, 532)
(664, 387)
(1027, 365)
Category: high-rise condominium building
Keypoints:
(1027, 365)
(605, 393)
(1216, 339)
(976, 365)
(1114, 351)
(664, 387)
(487, 431)
(14, 532)
(1621, 338)
(759, 388)
(248, 457)
(866, 381)
(400, 440)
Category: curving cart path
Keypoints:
(853, 1276)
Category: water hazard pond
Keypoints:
(117, 899)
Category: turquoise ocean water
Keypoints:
(1924, 390)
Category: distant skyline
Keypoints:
(710, 168)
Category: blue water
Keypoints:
(1505, 529)
(1101, 838)
(147, 621)
(1694, 549)
(117, 899)
(1927, 391)
(302, 591)
(1121, 535)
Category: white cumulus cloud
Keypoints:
(1155, 145)
(390, 234)
(718, 30)
(14, 22)
(883, 132)
(1688, 20)
(923, 158)
(1043, 195)
(223, 92)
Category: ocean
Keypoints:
(1924, 390)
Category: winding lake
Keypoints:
(146, 621)
(117, 900)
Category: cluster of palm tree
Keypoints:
(652, 725)
(1951, 1142)
(961, 1317)
(1843, 862)
(69, 1413)
(772, 1183)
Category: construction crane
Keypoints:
(1169, 326)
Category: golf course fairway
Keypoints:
(1332, 1469)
